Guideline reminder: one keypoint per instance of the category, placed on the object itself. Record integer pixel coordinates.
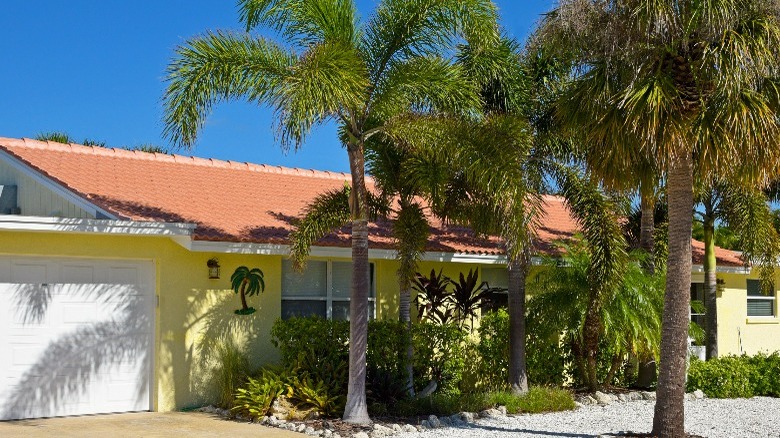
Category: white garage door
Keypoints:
(76, 336)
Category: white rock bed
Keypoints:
(711, 418)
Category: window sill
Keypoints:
(763, 320)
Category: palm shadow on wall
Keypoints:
(63, 370)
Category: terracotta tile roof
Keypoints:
(238, 202)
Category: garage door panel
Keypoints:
(80, 338)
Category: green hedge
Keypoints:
(736, 376)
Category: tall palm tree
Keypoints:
(697, 83)
(396, 173)
(747, 212)
(331, 66)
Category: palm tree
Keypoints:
(630, 310)
(247, 282)
(395, 172)
(747, 213)
(330, 66)
(696, 82)
(598, 216)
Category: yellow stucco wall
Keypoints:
(192, 309)
(738, 333)
(195, 311)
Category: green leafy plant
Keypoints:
(230, 372)
(736, 376)
(467, 296)
(439, 354)
(247, 282)
(308, 392)
(432, 297)
(257, 396)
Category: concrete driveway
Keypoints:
(139, 424)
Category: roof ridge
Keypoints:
(181, 159)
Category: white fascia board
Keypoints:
(94, 226)
(337, 252)
(724, 269)
(55, 187)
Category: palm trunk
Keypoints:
(617, 360)
(404, 314)
(591, 332)
(669, 419)
(356, 410)
(710, 288)
(646, 362)
(518, 377)
(646, 229)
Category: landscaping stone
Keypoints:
(578, 404)
(408, 428)
(622, 398)
(468, 417)
(327, 433)
(308, 430)
(425, 424)
(381, 431)
(502, 409)
(360, 435)
(647, 395)
(602, 398)
(490, 413)
(634, 396)
(434, 422)
(396, 428)
(699, 394)
(445, 421)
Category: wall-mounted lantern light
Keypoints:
(213, 265)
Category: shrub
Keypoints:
(543, 399)
(725, 377)
(230, 372)
(538, 399)
(766, 376)
(546, 358)
(257, 396)
(438, 355)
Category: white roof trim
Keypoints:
(54, 186)
(337, 252)
(723, 269)
(94, 226)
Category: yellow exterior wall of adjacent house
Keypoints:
(738, 333)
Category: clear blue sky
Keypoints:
(95, 69)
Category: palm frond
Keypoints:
(216, 67)
(303, 22)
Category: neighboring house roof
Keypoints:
(242, 202)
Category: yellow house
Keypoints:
(113, 305)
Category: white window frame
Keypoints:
(329, 298)
(703, 298)
(771, 298)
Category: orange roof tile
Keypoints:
(241, 202)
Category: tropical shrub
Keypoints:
(630, 314)
(736, 376)
(546, 356)
(229, 373)
(432, 297)
(438, 355)
(256, 397)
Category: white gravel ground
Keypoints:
(711, 418)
